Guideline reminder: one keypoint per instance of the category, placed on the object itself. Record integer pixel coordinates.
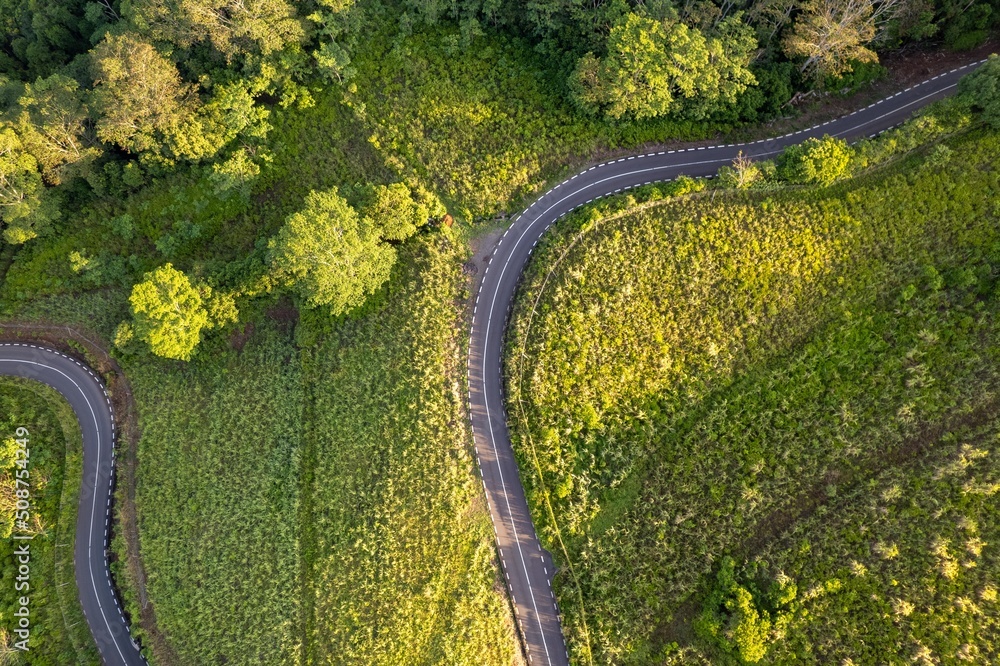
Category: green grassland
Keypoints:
(905, 565)
(310, 497)
(59, 634)
(403, 562)
(689, 378)
(217, 500)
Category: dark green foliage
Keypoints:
(967, 24)
(981, 90)
(37, 38)
(776, 83)
(861, 74)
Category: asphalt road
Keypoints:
(527, 568)
(86, 395)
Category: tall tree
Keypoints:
(228, 113)
(396, 212)
(981, 89)
(52, 126)
(43, 36)
(654, 68)
(331, 255)
(25, 205)
(169, 313)
(138, 96)
(231, 26)
(830, 34)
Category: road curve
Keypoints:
(87, 396)
(527, 568)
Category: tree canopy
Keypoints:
(25, 205)
(138, 96)
(332, 256)
(982, 90)
(52, 124)
(816, 161)
(169, 313)
(231, 26)
(656, 67)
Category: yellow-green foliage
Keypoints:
(317, 502)
(691, 368)
(480, 129)
(403, 569)
(905, 565)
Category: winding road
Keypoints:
(527, 568)
(87, 396)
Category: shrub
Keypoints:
(821, 161)
(981, 89)
(738, 618)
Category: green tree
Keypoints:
(26, 207)
(654, 68)
(330, 254)
(738, 617)
(138, 98)
(232, 26)
(230, 112)
(981, 89)
(52, 126)
(815, 161)
(394, 212)
(39, 38)
(169, 313)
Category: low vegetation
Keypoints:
(687, 378)
(401, 558)
(58, 633)
(315, 478)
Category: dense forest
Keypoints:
(101, 100)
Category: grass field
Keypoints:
(735, 363)
(59, 635)
(310, 497)
(403, 564)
